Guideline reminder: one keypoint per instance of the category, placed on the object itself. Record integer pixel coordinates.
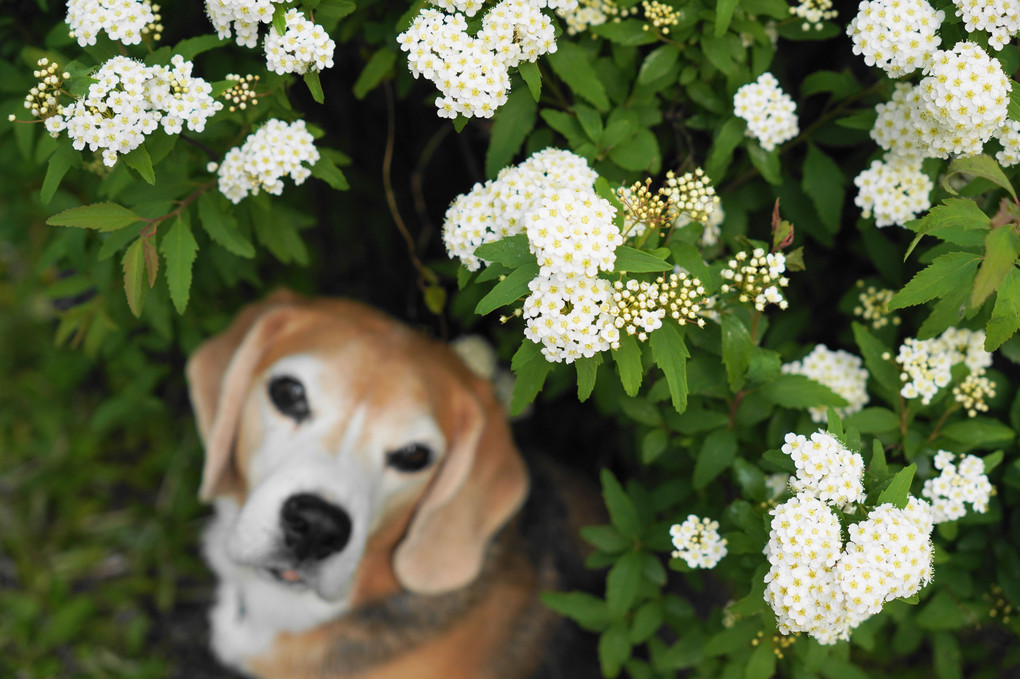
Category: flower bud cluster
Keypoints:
(638, 307)
(472, 72)
(242, 93)
(692, 194)
(43, 99)
(874, 306)
(660, 16)
(126, 21)
(960, 482)
(927, 364)
(129, 100)
(685, 198)
(304, 46)
(897, 36)
(274, 151)
(770, 113)
(814, 12)
(756, 278)
(697, 542)
(972, 393)
(838, 370)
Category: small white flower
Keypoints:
(304, 46)
(898, 36)
(894, 190)
(961, 483)
(770, 113)
(274, 151)
(697, 542)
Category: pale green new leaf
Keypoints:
(942, 276)
(1002, 246)
(99, 216)
(133, 266)
(179, 248)
(898, 490)
(1005, 320)
(977, 166)
(669, 351)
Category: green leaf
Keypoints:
(329, 12)
(646, 621)
(653, 444)
(993, 460)
(823, 181)
(587, 371)
(947, 312)
(377, 68)
(878, 466)
(314, 85)
(511, 251)
(140, 162)
(508, 290)
(1002, 246)
(622, 511)
(134, 276)
(614, 650)
(766, 162)
(669, 351)
(189, 48)
(573, 65)
(629, 32)
(99, 216)
(589, 611)
(57, 167)
(841, 84)
(716, 454)
(622, 583)
(628, 364)
(798, 391)
(941, 613)
(221, 225)
(511, 125)
(880, 369)
(530, 380)
(631, 260)
(725, 141)
(590, 120)
(639, 153)
(719, 51)
(605, 538)
(180, 249)
(946, 656)
(723, 15)
(658, 63)
(977, 166)
(979, 432)
(280, 19)
(898, 490)
(956, 220)
(945, 274)
(533, 77)
(737, 348)
(873, 420)
(1005, 319)
(326, 170)
(762, 664)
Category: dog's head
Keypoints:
(351, 443)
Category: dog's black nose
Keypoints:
(314, 528)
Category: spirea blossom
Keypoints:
(757, 278)
(586, 14)
(571, 231)
(817, 586)
(770, 113)
(1009, 136)
(125, 21)
(894, 191)
(697, 542)
(1000, 18)
(304, 46)
(569, 316)
(897, 127)
(838, 370)
(898, 36)
(274, 151)
(962, 481)
(129, 100)
(814, 12)
(825, 468)
(927, 364)
(243, 16)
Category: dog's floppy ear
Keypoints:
(480, 486)
(219, 374)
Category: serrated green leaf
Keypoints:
(873, 420)
(878, 466)
(587, 371)
(511, 125)
(511, 251)
(590, 121)
(945, 274)
(189, 48)
(622, 583)
(956, 220)
(326, 170)
(658, 62)
(1002, 246)
(531, 377)
(823, 181)
(725, 141)
(314, 85)
(532, 77)
(628, 364)
(622, 511)
(573, 65)
(180, 249)
(508, 290)
(280, 19)
(377, 68)
(880, 369)
(947, 312)
(737, 348)
(639, 153)
(99, 216)
(716, 454)
(798, 391)
(133, 266)
(56, 168)
(631, 260)
(979, 432)
(221, 225)
(977, 166)
(1005, 319)
(669, 351)
(139, 161)
(898, 491)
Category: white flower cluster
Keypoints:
(472, 72)
(757, 278)
(697, 542)
(244, 16)
(274, 151)
(958, 483)
(1009, 136)
(549, 197)
(129, 100)
(927, 364)
(770, 113)
(838, 370)
(814, 12)
(126, 21)
(894, 191)
(825, 469)
(818, 587)
(304, 46)
(1000, 18)
(587, 13)
(898, 36)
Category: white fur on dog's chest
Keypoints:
(251, 610)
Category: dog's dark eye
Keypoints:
(288, 395)
(410, 458)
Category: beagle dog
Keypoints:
(368, 498)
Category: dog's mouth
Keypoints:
(287, 576)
